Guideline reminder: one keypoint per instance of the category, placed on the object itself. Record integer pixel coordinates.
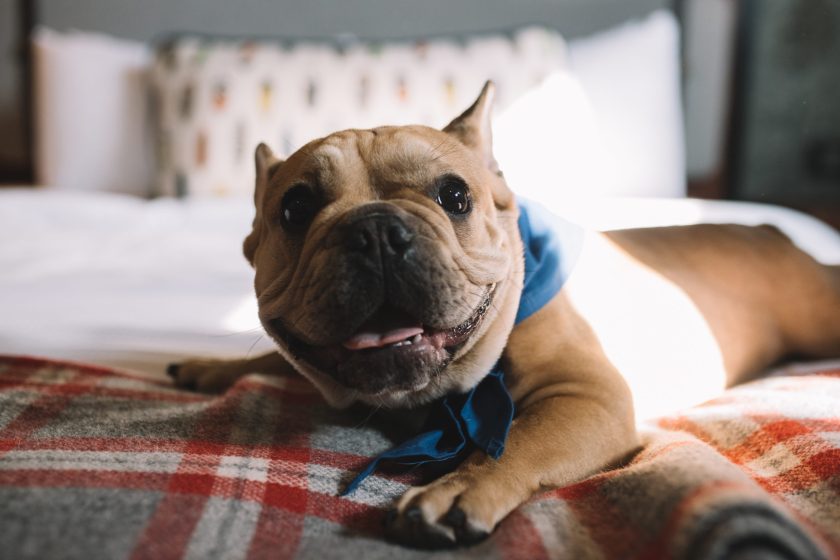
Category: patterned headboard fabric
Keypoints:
(217, 99)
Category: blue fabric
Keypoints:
(481, 418)
(552, 247)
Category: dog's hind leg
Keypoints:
(824, 340)
(812, 322)
(764, 298)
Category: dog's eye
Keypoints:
(453, 195)
(298, 207)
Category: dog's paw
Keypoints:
(459, 509)
(206, 376)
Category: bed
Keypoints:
(101, 457)
(110, 461)
(119, 281)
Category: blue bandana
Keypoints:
(481, 418)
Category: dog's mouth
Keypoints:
(391, 328)
(391, 351)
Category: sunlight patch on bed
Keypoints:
(244, 317)
(649, 329)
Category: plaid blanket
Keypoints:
(96, 463)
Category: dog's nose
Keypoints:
(399, 238)
(388, 233)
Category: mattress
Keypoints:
(119, 281)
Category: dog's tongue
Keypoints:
(362, 340)
(384, 328)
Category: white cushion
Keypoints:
(92, 120)
(631, 76)
(608, 124)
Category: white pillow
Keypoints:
(92, 120)
(609, 124)
(549, 146)
(631, 75)
(218, 99)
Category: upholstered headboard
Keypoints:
(374, 19)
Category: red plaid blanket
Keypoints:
(96, 463)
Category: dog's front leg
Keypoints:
(574, 418)
(554, 442)
(214, 376)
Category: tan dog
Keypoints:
(389, 270)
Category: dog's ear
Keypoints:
(473, 128)
(267, 164)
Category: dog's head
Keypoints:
(388, 261)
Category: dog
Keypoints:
(390, 267)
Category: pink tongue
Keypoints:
(364, 340)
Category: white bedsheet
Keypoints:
(119, 281)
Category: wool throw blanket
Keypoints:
(98, 463)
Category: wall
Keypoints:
(709, 50)
(11, 124)
(789, 149)
(366, 18)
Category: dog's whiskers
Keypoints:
(253, 345)
(370, 415)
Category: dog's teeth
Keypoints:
(408, 341)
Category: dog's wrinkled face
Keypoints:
(387, 260)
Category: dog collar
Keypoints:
(551, 246)
(481, 418)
